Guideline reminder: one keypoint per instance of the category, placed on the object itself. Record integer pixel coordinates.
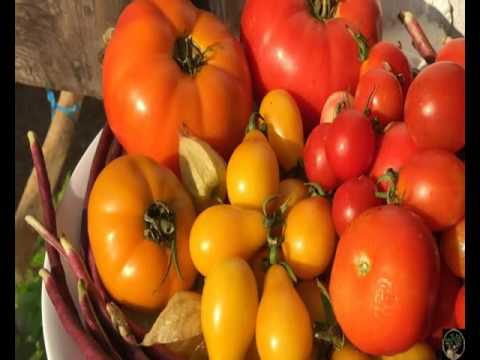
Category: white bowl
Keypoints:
(58, 344)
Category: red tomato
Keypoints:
(352, 198)
(350, 145)
(384, 280)
(453, 50)
(315, 160)
(169, 64)
(395, 149)
(335, 104)
(311, 55)
(385, 52)
(435, 107)
(460, 308)
(380, 92)
(432, 183)
(444, 313)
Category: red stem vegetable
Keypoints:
(48, 212)
(419, 40)
(89, 348)
(92, 322)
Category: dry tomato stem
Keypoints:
(419, 40)
(257, 122)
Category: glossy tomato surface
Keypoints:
(379, 92)
(453, 50)
(435, 107)
(352, 198)
(289, 47)
(350, 145)
(386, 55)
(432, 183)
(384, 280)
(460, 308)
(317, 167)
(132, 257)
(396, 146)
(148, 95)
(452, 248)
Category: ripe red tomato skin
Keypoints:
(395, 148)
(386, 52)
(444, 313)
(453, 50)
(460, 308)
(288, 48)
(432, 183)
(351, 199)
(350, 145)
(317, 167)
(398, 291)
(435, 117)
(380, 92)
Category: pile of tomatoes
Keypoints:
(343, 235)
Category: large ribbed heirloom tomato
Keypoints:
(311, 48)
(167, 64)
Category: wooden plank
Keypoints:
(57, 42)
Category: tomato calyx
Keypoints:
(391, 178)
(362, 43)
(189, 56)
(328, 331)
(377, 126)
(257, 122)
(322, 10)
(159, 227)
(315, 189)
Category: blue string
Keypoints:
(54, 106)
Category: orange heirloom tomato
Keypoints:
(224, 231)
(420, 351)
(309, 241)
(312, 298)
(229, 310)
(167, 64)
(284, 329)
(452, 248)
(138, 213)
(349, 352)
(252, 172)
(285, 127)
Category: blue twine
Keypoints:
(54, 106)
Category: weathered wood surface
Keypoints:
(57, 42)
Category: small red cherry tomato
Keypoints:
(380, 92)
(435, 107)
(453, 50)
(350, 144)
(387, 55)
(317, 167)
(352, 198)
(395, 148)
(335, 104)
(432, 183)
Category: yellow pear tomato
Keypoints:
(348, 352)
(229, 309)
(224, 231)
(252, 172)
(284, 127)
(419, 351)
(309, 241)
(284, 329)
